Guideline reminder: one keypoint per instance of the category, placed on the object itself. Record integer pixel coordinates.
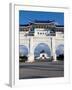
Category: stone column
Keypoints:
(31, 52)
(53, 49)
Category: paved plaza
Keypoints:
(41, 70)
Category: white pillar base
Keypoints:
(31, 58)
(54, 58)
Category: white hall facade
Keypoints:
(36, 32)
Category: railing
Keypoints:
(51, 34)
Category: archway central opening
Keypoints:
(42, 52)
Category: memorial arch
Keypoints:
(46, 33)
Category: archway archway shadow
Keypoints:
(60, 52)
(23, 53)
(42, 48)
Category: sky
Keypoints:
(27, 16)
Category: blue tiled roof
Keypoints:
(24, 24)
(43, 21)
(59, 25)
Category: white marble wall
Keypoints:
(32, 42)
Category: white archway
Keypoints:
(23, 50)
(60, 49)
(60, 52)
(40, 47)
